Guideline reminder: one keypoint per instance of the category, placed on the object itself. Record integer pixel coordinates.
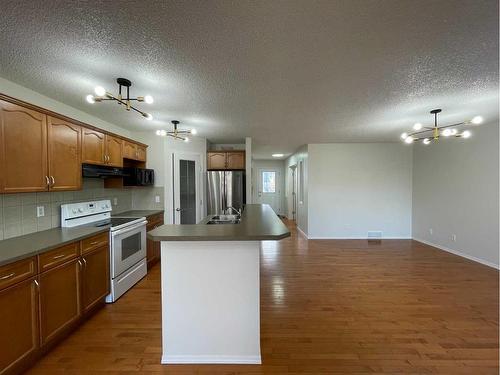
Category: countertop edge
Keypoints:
(219, 238)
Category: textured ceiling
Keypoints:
(282, 72)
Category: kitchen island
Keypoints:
(210, 287)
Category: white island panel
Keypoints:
(210, 302)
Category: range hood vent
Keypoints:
(100, 171)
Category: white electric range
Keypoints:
(127, 238)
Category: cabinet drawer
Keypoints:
(16, 272)
(57, 256)
(94, 242)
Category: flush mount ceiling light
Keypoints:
(101, 95)
(176, 133)
(428, 134)
(277, 155)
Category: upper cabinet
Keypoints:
(23, 149)
(64, 152)
(134, 151)
(113, 153)
(226, 160)
(94, 144)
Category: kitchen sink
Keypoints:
(225, 219)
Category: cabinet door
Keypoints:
(114, 151)
(64, 151)
(129, 150)
(216, 160)
(92, 146)
(59, 299)
(141, 153)
(18, 325)
(23, 149)
(95, 277)
(235, 160)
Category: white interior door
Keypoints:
(269, 191)
(186, 181)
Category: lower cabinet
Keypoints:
(153, 249)
(95, 277)
(19, 334)
(59, 299)
(44, 297)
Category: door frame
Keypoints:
(196, 157)
(292, 189)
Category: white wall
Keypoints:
(455, 191)
(359, 187)
(301, 159)
(160, 153)
(279, 165)
(22, 93)
(248, 169)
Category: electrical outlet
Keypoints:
(40, 211)
(431, 231)
(454, 237)
(115, 201)
(157, 199)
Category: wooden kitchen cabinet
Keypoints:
(93, 146)
(95, 280)
(60, 305)
(226, 160)
(64, 155)
(141, 153)
(23, 149)
(216, 160)
(134, 151)
(153, 249)
(19, 333)
(235, 160)
(113, 152)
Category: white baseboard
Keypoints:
(211, 359)
(359, 238)
(302, 232)
(459, 253)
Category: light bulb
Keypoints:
(277, 155)
(409, 140)
(148, 99)
(90, 99)
(466, 134)
(453, 131)
(446, 132)
(100, 91)
(186, 139)
(477, 120)
(417, 126)
(148, 116)
(194, 131)
(404, 135)
(426, 141)
(161, 133)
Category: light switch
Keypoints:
(157, 199)
(40, 211)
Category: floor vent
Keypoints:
(374, 235)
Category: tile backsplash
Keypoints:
(18, 212)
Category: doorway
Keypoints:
(186, 181)
(269, 191)
(292, 193)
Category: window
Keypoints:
(269, 182)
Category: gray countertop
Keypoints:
(18, 248)
(138, 213)
(258, 222)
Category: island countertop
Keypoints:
(258, 222)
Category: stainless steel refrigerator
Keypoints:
(225, 189)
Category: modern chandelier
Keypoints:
(101, 95)
(181, 135)
(428, 134)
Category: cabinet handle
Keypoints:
(47, 180)
(37, 284)
(80, 264)
(7, 276)
(94, 242)
(84, 262)
(53, 180)
(59, 256)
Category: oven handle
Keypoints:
(129, 229)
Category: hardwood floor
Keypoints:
(327, 307)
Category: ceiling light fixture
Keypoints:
(427, 134)
(176, 133)
(101, 95)
(277, 155)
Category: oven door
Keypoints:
(128, 246)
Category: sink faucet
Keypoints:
(235, 210)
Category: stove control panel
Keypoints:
(85, 212)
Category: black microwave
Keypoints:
(138, 177)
